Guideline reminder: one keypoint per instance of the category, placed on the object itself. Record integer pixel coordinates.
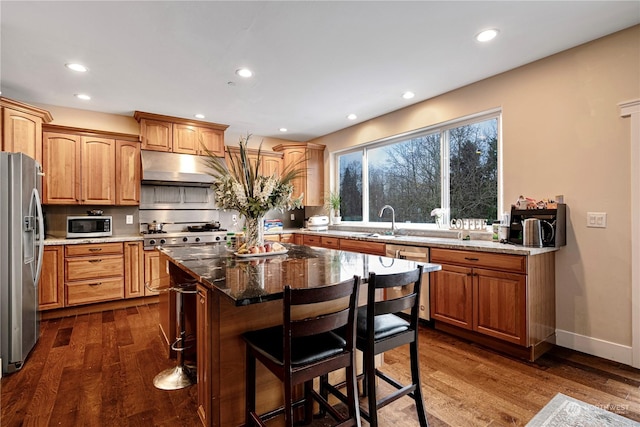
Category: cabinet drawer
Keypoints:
(364, 247)
(90, 291)
(504, 262)
(312, 240)
(94, 267)
(330, 242)
(93, 249)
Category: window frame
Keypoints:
(441, 128)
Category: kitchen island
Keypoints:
(236, 295)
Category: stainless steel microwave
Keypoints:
(89, 226)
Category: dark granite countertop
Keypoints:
(258, 279)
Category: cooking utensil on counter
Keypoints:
(155, 226)
(193, 228)
(214, 225)
(95, 212)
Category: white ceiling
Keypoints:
(314, 61)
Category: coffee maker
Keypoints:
(552, 225)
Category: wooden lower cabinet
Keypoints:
(151, 270)
(51, 285)
(204, 315)
(505, 301)
(93, 273)
(298, 239)
(133, 270)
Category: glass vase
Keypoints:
(254, 233)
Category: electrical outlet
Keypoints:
(129, 219)
(293, 217)
(597, 219)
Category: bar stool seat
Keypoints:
(305, 347)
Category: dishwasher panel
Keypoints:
(413, 253)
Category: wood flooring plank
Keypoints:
(97, 370)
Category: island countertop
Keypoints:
(250, 280)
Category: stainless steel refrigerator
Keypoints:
(21, 248)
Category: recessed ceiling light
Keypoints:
(486, 35)
(352, 116)
(82, 96)
(199, 116)
(408, 95)
(77, 67)
(283, 129)
(244, 72)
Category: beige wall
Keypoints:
(561, 134)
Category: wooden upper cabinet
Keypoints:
(212, 139)
(61, 165)
(270, 164)
(98, 171)
(156, 135)
(185, 139)
(127, 173)
(178, 135)
(310, 158)
(21, 128)
(90, 167)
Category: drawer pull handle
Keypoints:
(95, 249)
(95, 284)
(471, 259)
(95, 260)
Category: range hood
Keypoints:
(159, 168)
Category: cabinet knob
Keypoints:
(95, 260)
(471, 258)
(95, 249)
(95, 284)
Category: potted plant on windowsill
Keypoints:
(333, 205)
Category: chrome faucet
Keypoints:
(393, 218)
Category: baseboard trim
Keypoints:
(595, 347)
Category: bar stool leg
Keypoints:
(180, 376)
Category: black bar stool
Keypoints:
(306, 348)
(181, 375)
(380, 330)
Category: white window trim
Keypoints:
(444, 165)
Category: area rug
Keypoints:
(565, 411)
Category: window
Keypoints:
(453, 167)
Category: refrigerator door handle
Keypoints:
(39, 241)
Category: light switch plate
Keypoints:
(293, 217)
(597, 219)
(129, 219)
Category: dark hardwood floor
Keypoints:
(97, 370)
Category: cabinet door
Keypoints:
(133, 270)
(212, 139)
(61, 164)
(127, 173)
(298, 239)
(156, 135)
(296, 156)
(151, 270)
(500, 305)
(451, 296)
(185, 139)
(314, 183)
(271, 166)
(204, 352)
(98, 171)
(22, 133)
(51, 285)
